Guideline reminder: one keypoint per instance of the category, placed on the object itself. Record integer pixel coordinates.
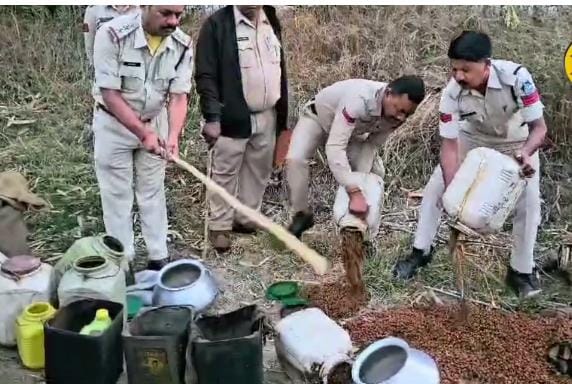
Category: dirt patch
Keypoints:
(491, 347)
(336, 299)
(353, 254)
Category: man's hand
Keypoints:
(358, 204)
(211, 132)
(152, 143)
(172, 147)
(525, 162)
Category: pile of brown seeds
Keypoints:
(490, 347)
(336, 299)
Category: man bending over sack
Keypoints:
(495, 104)
(354, 117)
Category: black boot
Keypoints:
(525, 285)
(407, 268)
(157, 265)
(243, 229)
(301, 222)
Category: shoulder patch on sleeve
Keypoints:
(348, 117)
(528, 88)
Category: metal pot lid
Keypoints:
(21, 265)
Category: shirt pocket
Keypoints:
(132, 75)
(274, 47)
(246, 54)
(165, 74)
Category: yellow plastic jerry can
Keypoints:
(30, 333)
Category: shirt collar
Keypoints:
(493, 82)
(121, 8)
(141, 39)
(375, 103)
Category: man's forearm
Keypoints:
(536, 136)
(449, 159)
(123, 112)
(177, 109)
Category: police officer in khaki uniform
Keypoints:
(354, 117)
(95, 16)
(143, 70)
(494, 104)
(242, 84)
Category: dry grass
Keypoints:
(45, 102)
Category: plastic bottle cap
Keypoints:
(102, 314)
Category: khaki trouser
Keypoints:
(525, 221)
(306, 137)
(243, 168)
(117, 154)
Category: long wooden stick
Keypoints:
(207, 213)
(318, 262)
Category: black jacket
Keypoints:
(218, 77)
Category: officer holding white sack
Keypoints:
(495, 104)
(353, 117)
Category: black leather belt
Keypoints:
(104, 109)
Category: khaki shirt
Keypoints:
(123, 62)
(500, 116)
(259, 59)
(351, 109)
(95, 16)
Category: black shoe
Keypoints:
(301, 222)
(244, 229)
(407, 268)
(157, 265)
(525, 285)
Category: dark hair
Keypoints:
(410, 85)
(471, 46)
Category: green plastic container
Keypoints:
(134, 305)
(281, 290)
(101, 322)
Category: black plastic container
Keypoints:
(155, 349)
(72, 358)
(228, 348)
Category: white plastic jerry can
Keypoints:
(485, 190)
(310, 344)
(373, 188)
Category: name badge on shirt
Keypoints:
(131, 64)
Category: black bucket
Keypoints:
(72, 358)
(155, 349)
(228, 348)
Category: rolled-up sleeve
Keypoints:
(106, 59)
(338, 139)
(182, 83)
(528, 97)
(449, 115)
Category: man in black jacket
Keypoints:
(241, 81)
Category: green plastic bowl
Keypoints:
(282, 290)
(294, 301)
(134, 305)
